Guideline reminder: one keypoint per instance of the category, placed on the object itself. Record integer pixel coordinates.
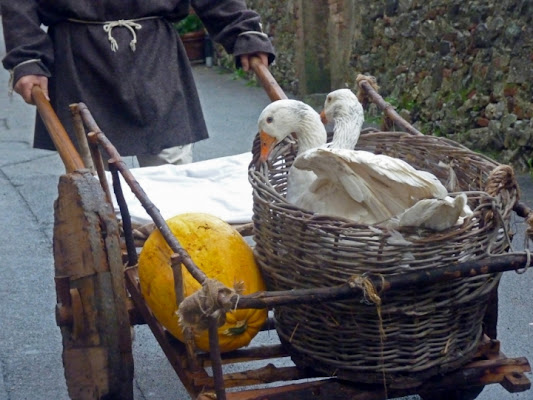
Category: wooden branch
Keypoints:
(490, 265)
(83, 145)
(245, 229)
(387, 109)
(150, 207)
(214, 353)
(179, 290)
(522, 209)
(99, 164)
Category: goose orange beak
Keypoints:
(323, 117)
(267, 144)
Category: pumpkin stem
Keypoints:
(239, 328)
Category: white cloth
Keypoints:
(172, 155)
(218, 186)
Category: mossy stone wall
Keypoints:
(454, 68)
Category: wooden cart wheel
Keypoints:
(92, 307)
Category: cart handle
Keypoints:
(68, 153)
(270, 85)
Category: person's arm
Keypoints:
(236, 28)
(29, 49)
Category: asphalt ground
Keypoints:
(30, 341)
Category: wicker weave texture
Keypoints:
(416, 333)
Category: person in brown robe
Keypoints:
(125, 61)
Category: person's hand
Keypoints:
(245, 60)
(25, 84)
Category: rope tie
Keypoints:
(369, 291)
(496, 213)
(129, 24)
(371, 296)
(212, 300)
(362, 95)
(501, 178)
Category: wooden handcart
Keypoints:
(99, 297)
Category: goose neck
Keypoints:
(311, 135)
(346, 132)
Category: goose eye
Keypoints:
(329, 98)
(269, 120)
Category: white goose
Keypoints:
(342, 182)
(281, 119)
(344, 109)
(437, 213)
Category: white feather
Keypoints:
(437, 214)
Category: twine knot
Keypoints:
(129, 24)
(370, 293)
(501, 178)
(371, 296)
(212, 300)
(362, 94)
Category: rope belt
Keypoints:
(131, 24)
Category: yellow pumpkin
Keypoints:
(222, 254)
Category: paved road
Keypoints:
(30, 343)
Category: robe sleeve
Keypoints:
(29, 50)
(234, 26)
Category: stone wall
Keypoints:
(454, 68)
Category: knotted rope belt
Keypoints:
(132, 25)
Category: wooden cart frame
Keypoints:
(99, 297)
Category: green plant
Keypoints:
(376, 120)
(239, 73)
(191, 23)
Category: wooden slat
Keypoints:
(247, 355)
(258, 376)
(174, 350)
(329, 389)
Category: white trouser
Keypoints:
(173, 155)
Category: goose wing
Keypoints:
(436, 214)
(382, 186)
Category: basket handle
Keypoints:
(62, 142)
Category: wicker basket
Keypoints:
(419, 332)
